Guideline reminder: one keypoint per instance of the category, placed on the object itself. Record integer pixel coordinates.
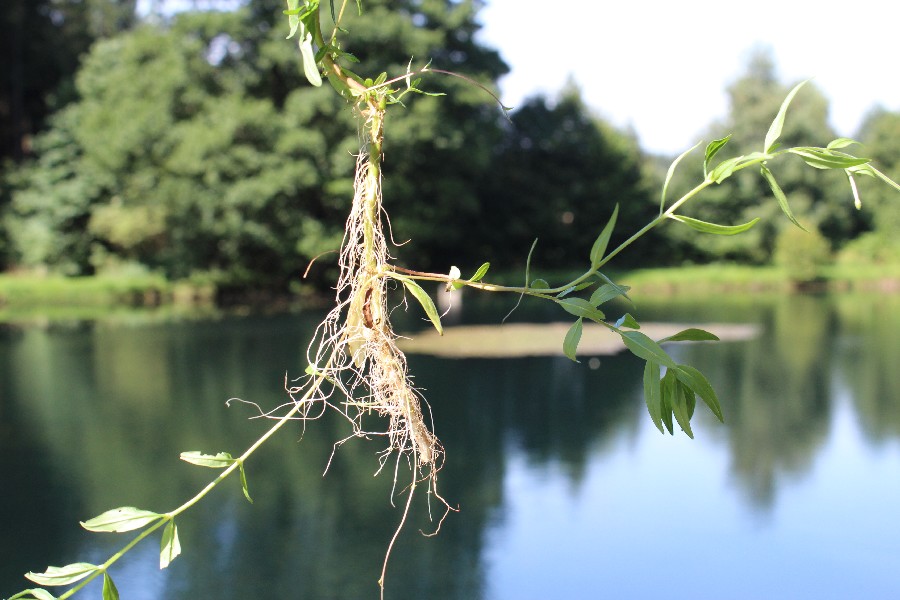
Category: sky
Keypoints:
(661, 68)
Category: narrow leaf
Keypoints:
(109, 588)
(695, 380)
(691, 335)
(821, 158)
(653, 393)
(623, 289)
(713, 227)
(169, 546)
(670, 173)
(667, 395)
(712, 149)
(643, 347)
(725, 168)
(310, 68)
(481, 272)
(581, 308)
(62, 575)
(117, 520)
(840, 143)
(682, 409)
(778, 124)
(602, 241)
(627, 320)
(222, 459)
(293, 16)
(779, 195)
(605, 293)
(33, 594)
(573, 337)
(244, 484)
(425, 300)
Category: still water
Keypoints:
(564, 487)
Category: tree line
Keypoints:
(191, 145)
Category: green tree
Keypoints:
(557, 175)
(190, 154)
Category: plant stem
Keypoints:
(170, 516)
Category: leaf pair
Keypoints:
(66, 575)
(221, 460)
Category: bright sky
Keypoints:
(661, 67)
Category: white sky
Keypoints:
(661, 67)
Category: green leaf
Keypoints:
(725, 168)
(293, 16)
(643, 347)
(33, 594)
(683, 402)
(62, 575)
(481, 272)
(696, 381)
(109, 588)
(623, 289)
(117, 520)
(540, 284)
(573, 337)
(244, 484)
(821, 158)
(220, 460)
(310, 68)
(871, 171)
(667, 396)
(627, 320)
(670, 173)
(599, 247)
(778, 124)
(840, 143)
(605, 293)
(425, 300)
(712, 227)
(653, 393)
(691, 335)
(169, 546)
(779, 195)
(581, 308)
(711, 150)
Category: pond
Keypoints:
(565, 488)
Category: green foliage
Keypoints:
(802, 253)
(561, 172)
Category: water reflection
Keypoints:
(548, 460)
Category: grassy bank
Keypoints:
(18, 292)
(21, 291)
(722, 278)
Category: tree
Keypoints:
(558, 174)
(43, 41)
(190, 154)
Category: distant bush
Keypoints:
(802, 253)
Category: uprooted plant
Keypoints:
(355, 366)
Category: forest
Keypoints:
(189, 145)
